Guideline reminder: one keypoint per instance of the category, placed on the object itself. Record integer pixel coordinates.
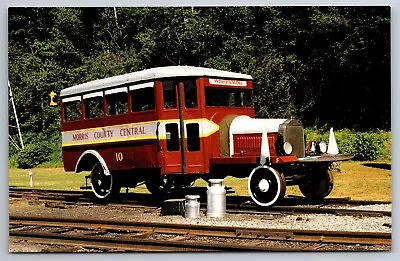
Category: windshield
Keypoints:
(228, 97)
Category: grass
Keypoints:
(358, 180)
(46, 178)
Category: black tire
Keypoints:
(318, 186)
(158, 185)
(104, 186)
(283, 184)
(266, 186)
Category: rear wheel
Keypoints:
(266, 186)
(319, 185)
(158, 185)
(103, 186)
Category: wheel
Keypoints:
(266, 186)
(158, 185)
(318, 186)
(103, 186)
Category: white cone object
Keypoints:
(332, 146)
(264, 146)
(312, 147)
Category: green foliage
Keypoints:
(12, 161)
(363, 145)
(369, 146)
(321, 65)
(54, 158)
(40, 150)
(32, 155)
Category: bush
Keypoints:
(345, 140)
(369, 146)
(12, 161)
(363, 145)
(32, 155)
(55, 156)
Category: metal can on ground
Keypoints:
(192, 206)
(216, 198)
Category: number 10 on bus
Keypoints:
(119, 156)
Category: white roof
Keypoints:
(151, 74)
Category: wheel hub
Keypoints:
(263, 185)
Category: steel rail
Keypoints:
(339, 237)
(65, 193)
(334, 211)
(95, 243)
(231, 208)
(133, 244)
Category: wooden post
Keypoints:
(31, 177)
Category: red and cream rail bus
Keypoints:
(169, 126)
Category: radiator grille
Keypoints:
(293, 132)
(250, 144)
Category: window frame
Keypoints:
(113, 92)
(91, 96)
(142, 86)
(250, 91)
(69, 100)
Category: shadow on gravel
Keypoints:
(233, 201)
(387, 166)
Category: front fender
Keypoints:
(88, 156)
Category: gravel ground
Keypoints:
(375, 207)
(304, 221)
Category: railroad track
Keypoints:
(139, 236)
(235, 205)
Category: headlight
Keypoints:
(322, 147)
(287, 148)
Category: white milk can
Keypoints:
(216, 198)
(192, 206)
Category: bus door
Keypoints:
(184, 149)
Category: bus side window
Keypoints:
(216, 97)
(142, 99)
(72, 111)
(228, 97)
(190, 94)
(173, 136)
(169, 94)
(93, 107)
(247, 98)
(193, 136)
(117, 103)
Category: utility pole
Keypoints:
(16, 117)
(116, 18)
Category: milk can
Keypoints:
(192, 206)
(216, 201)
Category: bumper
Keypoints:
(325, 158)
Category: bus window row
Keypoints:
(116, 103)
(142, 99)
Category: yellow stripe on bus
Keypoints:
(152, 137)
(148, 137)
(144, 122)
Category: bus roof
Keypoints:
(148, 75)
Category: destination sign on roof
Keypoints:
(227, 82)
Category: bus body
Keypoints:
(169, 126)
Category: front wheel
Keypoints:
(318, 186)
(266, 186)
